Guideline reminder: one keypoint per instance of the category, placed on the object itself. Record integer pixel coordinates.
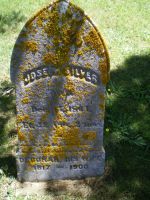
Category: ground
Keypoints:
(125, 27)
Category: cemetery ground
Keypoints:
(124, 25)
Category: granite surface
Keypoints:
(60, 68)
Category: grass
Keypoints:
(125, 27)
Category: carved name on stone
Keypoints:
(60, 67)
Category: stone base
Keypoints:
(59, 187)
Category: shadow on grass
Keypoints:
(7, 111)
(8, 165)
(127, 143)
(9, 21)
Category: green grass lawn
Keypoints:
(125, 26)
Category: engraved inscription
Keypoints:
(47, 71)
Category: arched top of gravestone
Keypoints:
(59, 35)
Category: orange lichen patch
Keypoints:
(79, 43)
(41, 18)
(59, 116)
(86, 49)
(21, 136)
(21, 118)
(49, 83)
(91, 135)
(79, 36)
(102, 97)
(55, 140)
(69, 86)
(66, 108)
(32, 162)
(31, 136)
(88, 65)
(73, 137)
(53, 18)
(69, 114)
(28, 46)
(28, 89)
(104, 73)
(93, 41)
(80, 52)
(54, 151)
(31, 46)
(70, 136)
(102, 106)
(30, 28)
(26, 149)
(26, 100)
(62, 36)
(51, 58)
(62, 96)
(49, 47)
(39, 22)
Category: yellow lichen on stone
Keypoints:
(30, 28)
(69, 114)
(55, 140)
(90, 135)
(102, 96)
(63, 36)
(102, 106)
(69, 86)
(53, 151)
(52, 25)
(28, 90)
(104, 73)
(88, 65)
(28, 46)
(71, 89)
(80, 52)
(32, 162)
(73, 138)
(70, 136)
(21, 118)
(93, 41)
(51, 58)
(59, 117)
(21, 136)
(31, 136)
(31, 46)
(26, 149)
(41, 18)
(49, 47)
(26, 100)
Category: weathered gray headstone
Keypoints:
(60, 67)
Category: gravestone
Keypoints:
(60, 68)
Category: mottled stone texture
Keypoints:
(60, 67)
